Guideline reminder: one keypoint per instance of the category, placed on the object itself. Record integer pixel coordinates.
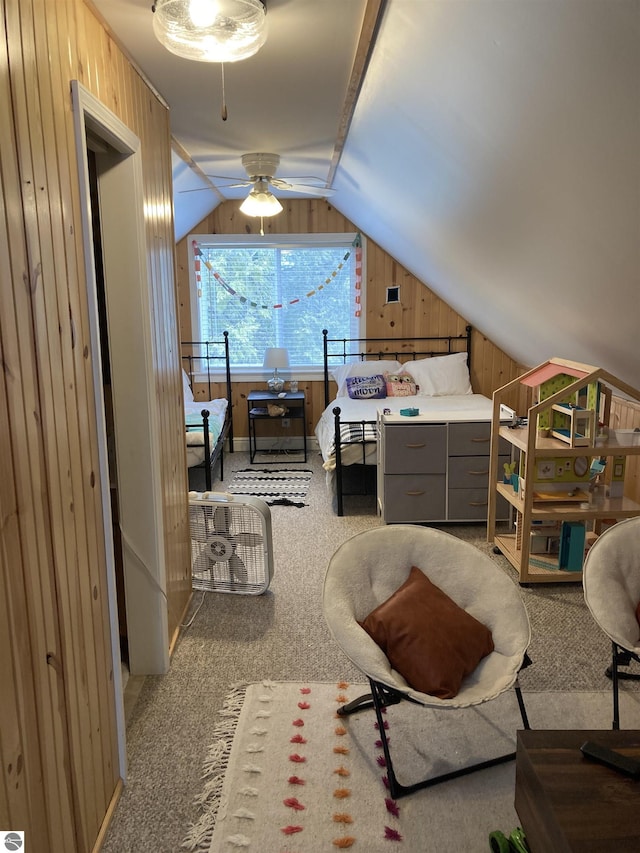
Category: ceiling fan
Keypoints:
(261, 169)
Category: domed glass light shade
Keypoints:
(260, 201)
(210, 30)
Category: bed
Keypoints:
(430, 374)
(208, 423)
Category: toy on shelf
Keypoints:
(574, 425)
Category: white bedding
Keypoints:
(463, 407)
(193, 420)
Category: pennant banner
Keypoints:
(200, 259)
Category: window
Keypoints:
(279, 291)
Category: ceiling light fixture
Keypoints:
(210, 30)
(261, 201)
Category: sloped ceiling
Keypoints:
(494, 151)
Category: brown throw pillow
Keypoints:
(431, 641)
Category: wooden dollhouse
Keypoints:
(570, 463)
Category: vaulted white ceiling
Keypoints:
(494, 150)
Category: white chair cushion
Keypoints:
(611, 581)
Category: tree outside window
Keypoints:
(277, 293)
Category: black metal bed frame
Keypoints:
(341, 350)
(206, 357)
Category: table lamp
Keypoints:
(276, 358)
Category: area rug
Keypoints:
(285, 487)
(285, 774)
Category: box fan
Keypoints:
(231, 543)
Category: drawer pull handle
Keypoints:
(478, 503)
(415, 493)
(479, 473)
(480, 440)
(415, 446)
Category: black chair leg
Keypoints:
(381, 697)
(619, 657)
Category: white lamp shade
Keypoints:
(260, 202)
(210, 30)
(276, 358)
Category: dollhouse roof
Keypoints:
(549, 371)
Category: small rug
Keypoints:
(285, 487)
(286, 775)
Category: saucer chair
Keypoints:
(392, 580)
(611, 582)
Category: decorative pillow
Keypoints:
(361, 368)
(446, 375)
(186, 388)
(431, 641)
(400, 385)
(366, 387)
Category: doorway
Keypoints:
(124, 383)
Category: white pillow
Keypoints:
(186, 388)
(441, 376)
(361, 368)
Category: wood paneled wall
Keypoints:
(419, 313)
(58, 741)
(625, 414)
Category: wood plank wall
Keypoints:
(419, 313)
(625, 414)
(58, 729)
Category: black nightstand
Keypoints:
(258, 402)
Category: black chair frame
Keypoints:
(620, 657)
(382, 697)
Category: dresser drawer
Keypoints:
(419, 448)
(473, 505)
(470, 439)
(468, 504)
(469, 472)
(414, 497)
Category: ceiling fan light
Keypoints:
(210, 30)
(261, 203)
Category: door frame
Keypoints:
(129, 319)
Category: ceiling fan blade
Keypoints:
(199, 190)
(304, 179)
(234, 186)
(323, 192)
(233, 178)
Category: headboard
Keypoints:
(207, 357)
(340, 350)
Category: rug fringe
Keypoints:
(200, 834)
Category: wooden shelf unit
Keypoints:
(529, 447)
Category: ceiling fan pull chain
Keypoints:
(262, 226)
(224, 96)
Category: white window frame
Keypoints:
(269, 241)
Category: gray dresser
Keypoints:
(434, 471)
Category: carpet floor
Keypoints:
(285, 774)
(282, 635)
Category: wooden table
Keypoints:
(566, 802)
